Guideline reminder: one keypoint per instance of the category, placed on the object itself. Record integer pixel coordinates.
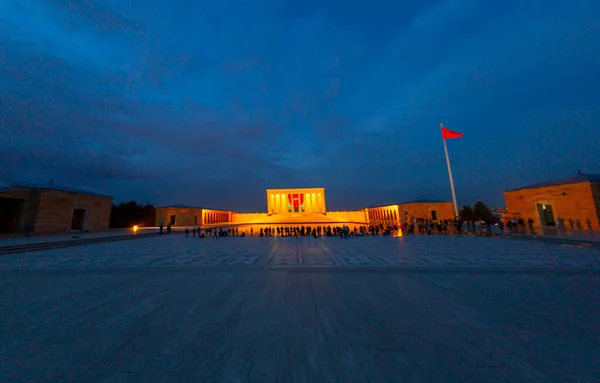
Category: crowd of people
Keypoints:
(421, 226)
(416, 226)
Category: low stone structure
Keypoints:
(574, 200)
(408, 211)
(183, 215)
(52, 208)
(305, 206)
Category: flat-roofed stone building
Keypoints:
(575, 199)
(303, 206)
(184, 215)
(408, 211)
(48, 208)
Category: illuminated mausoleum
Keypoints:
(306, 206)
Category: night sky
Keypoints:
(209, 103)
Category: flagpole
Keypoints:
(451, 180)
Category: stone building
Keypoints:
(575, 199)
(304, 206)
(182, 215)
(52, 208)
(407, 211)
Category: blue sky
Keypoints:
(211, 103)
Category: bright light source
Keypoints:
(135, 229)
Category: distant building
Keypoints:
(306, 206)
(183, 215)
(575, 198)
(52, 208)
(408, 211)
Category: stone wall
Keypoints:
(249, 217)
(183, 216)
(423, 210)
(52, 211)
(355, 216)
(570, 201)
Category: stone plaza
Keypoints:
(249, 309)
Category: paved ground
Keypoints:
(177, 250)
(420, 309)
(34, 239)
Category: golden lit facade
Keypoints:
(302, 207)
(294, 201)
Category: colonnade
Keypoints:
(280, 203)
(383, 215)
(218, 217)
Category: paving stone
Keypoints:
(179, 251)
(171, 308)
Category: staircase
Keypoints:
(15, 249)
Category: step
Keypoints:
(4, 250)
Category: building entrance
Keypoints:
(546, 215)
(78, 221)
(9, 218)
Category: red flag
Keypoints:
(447, 133)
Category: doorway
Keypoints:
(78, 220)
(434, 215)
(546, 215)
(10, 209)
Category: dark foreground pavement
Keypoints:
(301, 323)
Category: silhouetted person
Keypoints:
(560, 225)
(161, 228)
(588, 223)
(169, 229)
(187, 232)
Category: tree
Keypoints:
(466, 213)
(482, 212)
(130, 213)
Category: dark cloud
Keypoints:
(210, 103)
(90, 13)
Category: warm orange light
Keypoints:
(135, 229)
(399, 233)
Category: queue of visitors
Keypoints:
(421, 226)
